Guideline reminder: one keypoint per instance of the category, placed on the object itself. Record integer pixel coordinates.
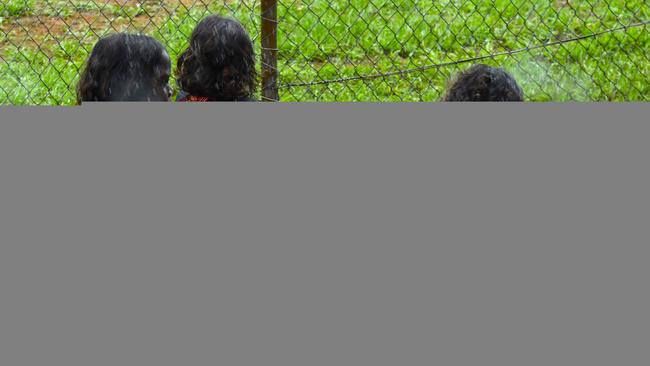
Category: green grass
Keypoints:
(326, 40)
(13, 8)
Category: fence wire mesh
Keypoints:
(355, 50)
(46, 42)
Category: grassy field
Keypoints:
(44, 44)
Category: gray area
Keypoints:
(325, 234)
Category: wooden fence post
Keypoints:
(269, 38)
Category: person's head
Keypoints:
(482, 83)
(219, 62)
(126, 67)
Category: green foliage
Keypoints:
(14, 8)
(324, 40)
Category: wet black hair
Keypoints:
(126, 67)
(219, 62)
(484, 83)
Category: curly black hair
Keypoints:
(126, 67)
(219, 63)
(482, 83)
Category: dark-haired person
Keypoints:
(126, 67)
(482, 83)
(218, 64)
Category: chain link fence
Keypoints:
(355, 50)
(46, 42)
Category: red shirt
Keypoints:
(192, 98)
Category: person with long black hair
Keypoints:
(126, 67)
(218, 64)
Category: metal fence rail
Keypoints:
(352, 50)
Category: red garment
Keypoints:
(192, 98)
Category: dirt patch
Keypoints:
(35, 30)
(203, 4)
(123, 2)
